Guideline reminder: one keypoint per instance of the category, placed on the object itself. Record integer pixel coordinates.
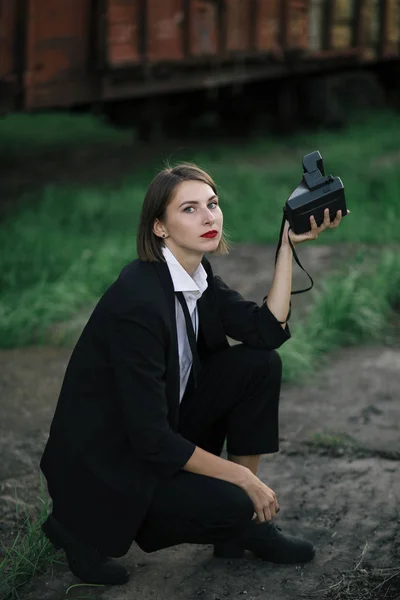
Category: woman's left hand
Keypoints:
(314, 231)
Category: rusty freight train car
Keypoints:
(57, 53)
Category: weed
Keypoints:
(30, 553)
(335, 442)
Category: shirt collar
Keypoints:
(181, 280)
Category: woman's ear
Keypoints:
(158, 228)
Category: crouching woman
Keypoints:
(153, 390)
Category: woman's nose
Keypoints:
(209, 217)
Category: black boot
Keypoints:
(267, 541)
(85, 562)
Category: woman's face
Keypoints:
(192, 212)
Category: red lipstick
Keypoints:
(210, 234)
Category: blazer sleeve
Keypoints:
(139, 364)
(247, 322)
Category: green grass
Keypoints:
(356, 306)
(67, 244)
(22, 133)
(30, 553)
(333, 442)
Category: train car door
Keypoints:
(57, 53)
(164, 31)
(123, 19)
(317, 9)
(238, 26)
(268, 27)
(341, 31)
(370, 28)
(390, 43)
(203, 28)
(295, 23)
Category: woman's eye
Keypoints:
(189, 209)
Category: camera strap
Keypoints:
(296, 258)
(298, 262)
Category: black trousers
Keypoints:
(236, 401)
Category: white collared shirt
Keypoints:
(193, 289)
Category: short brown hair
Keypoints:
(160, 193)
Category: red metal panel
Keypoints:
(7, 28)
(57, 51)
(296, 34)
(165, 30)
(238, 23)
(203, 28)
(122, 32)
(268, 26)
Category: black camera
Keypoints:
(315, 193)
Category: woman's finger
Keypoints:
(267, 514)
(337, 219)
(260, 516)
(327, 220)
(275, 503)
(313, 222)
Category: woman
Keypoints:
(153, 390)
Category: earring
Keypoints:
(163, 235)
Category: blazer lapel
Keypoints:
(213, 336)
(167, 285)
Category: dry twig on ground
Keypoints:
(366, 584)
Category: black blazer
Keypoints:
(117, 412)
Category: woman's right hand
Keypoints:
(264, 499)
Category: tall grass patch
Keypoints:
(61, 254)
(30, 553)
(354, 307)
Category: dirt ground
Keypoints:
(336, 475)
